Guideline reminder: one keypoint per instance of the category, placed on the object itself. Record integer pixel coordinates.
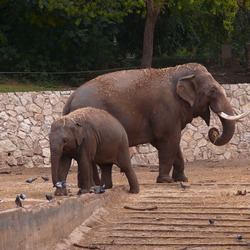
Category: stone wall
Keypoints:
(25, 120)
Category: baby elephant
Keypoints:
(90, 136)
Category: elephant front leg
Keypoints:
(178, 167)
(167, 153)
(84, 176)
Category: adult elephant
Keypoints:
(154, 105)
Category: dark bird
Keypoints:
(45, 178)
(100, 190)
(183, 186)
(239, 237)
(211, 221)
(60, 184)
(18, 201)
(31, 180)
(48, 197)
(22, 196)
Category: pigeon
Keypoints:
(22, 196)
(183, 186)
(18, 201)
(211, 221)
(100, 189)
(45, 178)
(239, 237)
(48, 197)
(31, 180)
(60, 184)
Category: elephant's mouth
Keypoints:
(233, 117)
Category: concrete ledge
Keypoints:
(44, 226)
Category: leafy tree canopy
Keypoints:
(64, 35)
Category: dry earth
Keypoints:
(13, 180)
(219, 190)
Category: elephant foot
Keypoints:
(134, 190)
(107, 186)
(82, 191)
(180, 177)
(164, 179)
(61, 191)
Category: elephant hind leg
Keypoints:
(125, 165)
(106, 175)
(178, 167)
(95, 174)
(132, 180)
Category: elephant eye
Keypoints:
(213, 92)
(65, 140)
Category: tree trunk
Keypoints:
(148, 42)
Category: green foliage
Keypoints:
(194, 26)
(62, 35)
(58, 35)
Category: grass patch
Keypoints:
(4, 88)
(17, 85)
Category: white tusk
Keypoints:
(232, 117)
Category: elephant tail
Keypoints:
(67, 106)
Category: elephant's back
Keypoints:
(96, 117)
(121, 86)
(104, 125)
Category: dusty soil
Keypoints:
(13, 180)
(218, 190)
(179, 219)
(13, 183)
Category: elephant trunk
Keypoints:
(55, 159)
(227, 124)
(225, 137)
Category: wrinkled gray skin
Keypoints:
(154, 105)
(90, 136)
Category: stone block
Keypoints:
(143, 149)
(202, 143)
(25, 121)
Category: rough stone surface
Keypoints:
(25, 120)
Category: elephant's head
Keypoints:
(65, 137)
(203, 93)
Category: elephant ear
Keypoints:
(78, 130)
(186, 89)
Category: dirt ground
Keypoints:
(218, 190)
(13, 180)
